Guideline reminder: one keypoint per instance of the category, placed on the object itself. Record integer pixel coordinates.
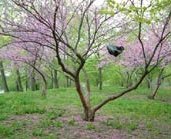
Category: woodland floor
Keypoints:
(29, 116)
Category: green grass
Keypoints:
(29, 115)
(6, 131)
(90, 126)
(38, 132)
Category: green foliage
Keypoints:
(111, 75)
(92, 70)
(107, 72)
(148, 12)
(4, 40)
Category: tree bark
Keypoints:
(4, 80)
(44, 87)
(68, 82)
(26, 83)
(18, 81)
(45, 84)
(100, 79)
(55, 79)
(155, 91)
(89, 115)
(159, 81)
(51, 77)
(88, 90)
(32, 81)
(149, 81)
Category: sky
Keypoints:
(99, 2)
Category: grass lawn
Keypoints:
(29, 116)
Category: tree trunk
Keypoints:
(149, 81)
(89, 115)
(26, 83)
(55, 79)
(68, 82)
(87, 93)
(32, 82)
(100, 79)
(18, 81)
(44, 87)
(4, 81)
(159, 81)
(155, 91)
(51, 83)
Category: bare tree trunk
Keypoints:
(51, 77)
(4, 81)
(159, 81)
(89, 114)
(55, 79)
(44, 85)
(100, 81)
(32, 81)
(149, 81)
(26, 83)
(155, 90)
(18, 81)
(87, 93)
(68, 82)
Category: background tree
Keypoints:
(3, 41)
